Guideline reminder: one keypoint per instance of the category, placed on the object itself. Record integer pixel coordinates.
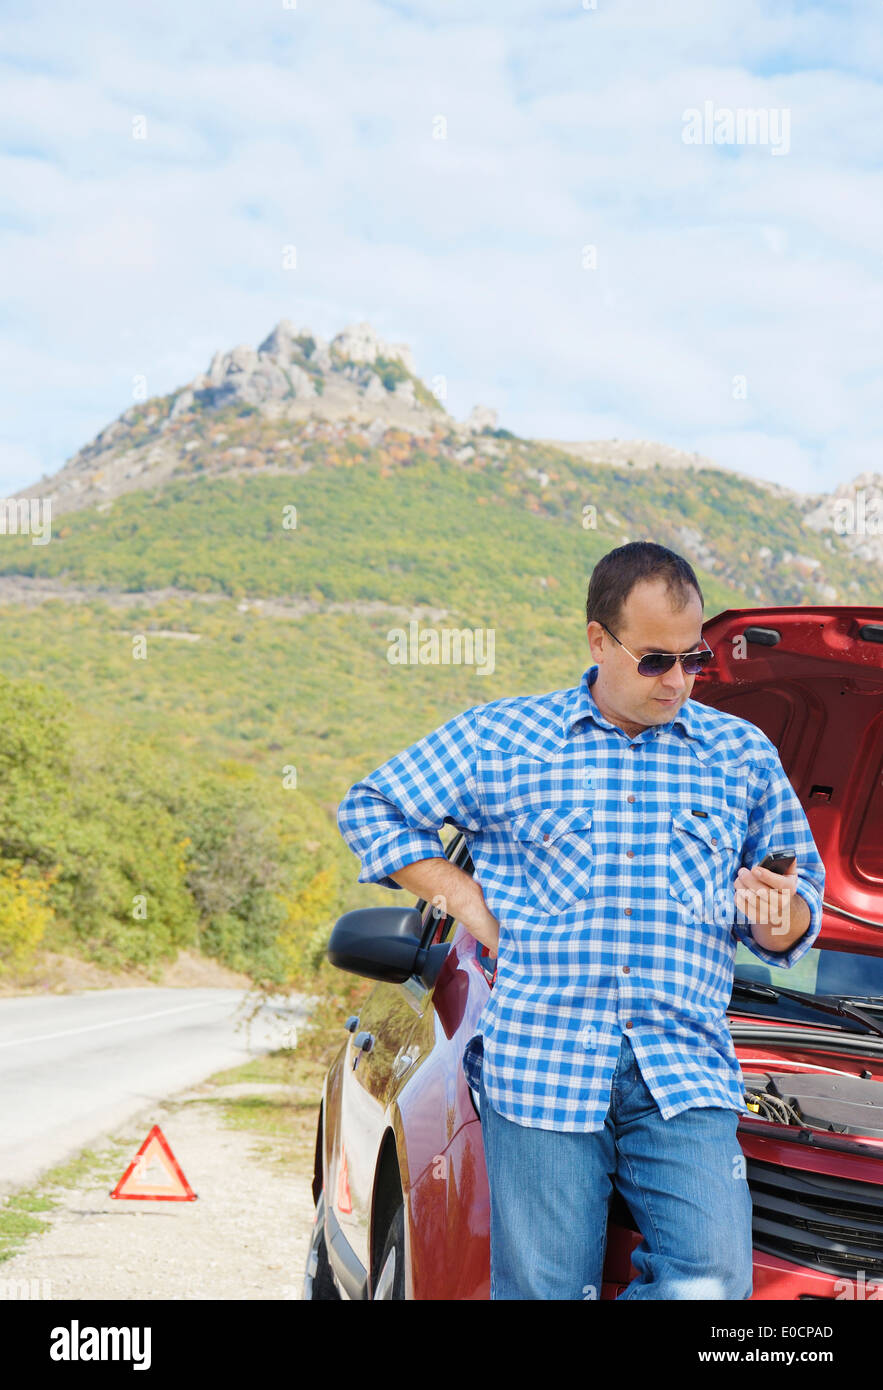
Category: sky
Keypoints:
(517, 190)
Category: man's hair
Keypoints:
(617, 573)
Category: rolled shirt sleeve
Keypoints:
(393, 816)
(778, 825)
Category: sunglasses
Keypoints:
(657, 663)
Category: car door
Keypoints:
(374, 1067)
(438, 1123)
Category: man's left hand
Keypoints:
(772, 905)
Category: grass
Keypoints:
(17, 1221)
(285, 1122)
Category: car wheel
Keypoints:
(391, 1271)
(318, 1279)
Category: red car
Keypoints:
(400, 1185)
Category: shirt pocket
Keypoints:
(556, 855)
(704, 856)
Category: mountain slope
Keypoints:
(227, 572)
(306, 411)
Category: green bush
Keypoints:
(24, 916)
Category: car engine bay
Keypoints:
(839, 1104)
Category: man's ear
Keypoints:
(595, 635)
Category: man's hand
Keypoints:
(455, 893)
(778, 914)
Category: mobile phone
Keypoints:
(779, 863)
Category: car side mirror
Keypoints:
(383, 943)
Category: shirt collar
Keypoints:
(581, 705)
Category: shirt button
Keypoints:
(629, 1024)
(714, 839)
(545, 837)
(626, 969)
(630, 854)
(630, 798)
(628, 912)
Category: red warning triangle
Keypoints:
(154, 1175)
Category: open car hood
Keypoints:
(812, 680)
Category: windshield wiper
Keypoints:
(829, 1004)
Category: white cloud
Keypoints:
(313, 127)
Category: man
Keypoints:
(616, 831)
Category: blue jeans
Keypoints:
(682, 1179)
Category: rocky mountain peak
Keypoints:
(360, 343)
(357, 382)
(293, 367)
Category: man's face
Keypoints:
(647, 623)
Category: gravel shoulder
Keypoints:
(245, 1141)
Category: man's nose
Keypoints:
(675, 680)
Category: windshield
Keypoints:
(819, 971)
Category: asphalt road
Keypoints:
(74, 1066)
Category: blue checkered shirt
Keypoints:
(609, 863)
